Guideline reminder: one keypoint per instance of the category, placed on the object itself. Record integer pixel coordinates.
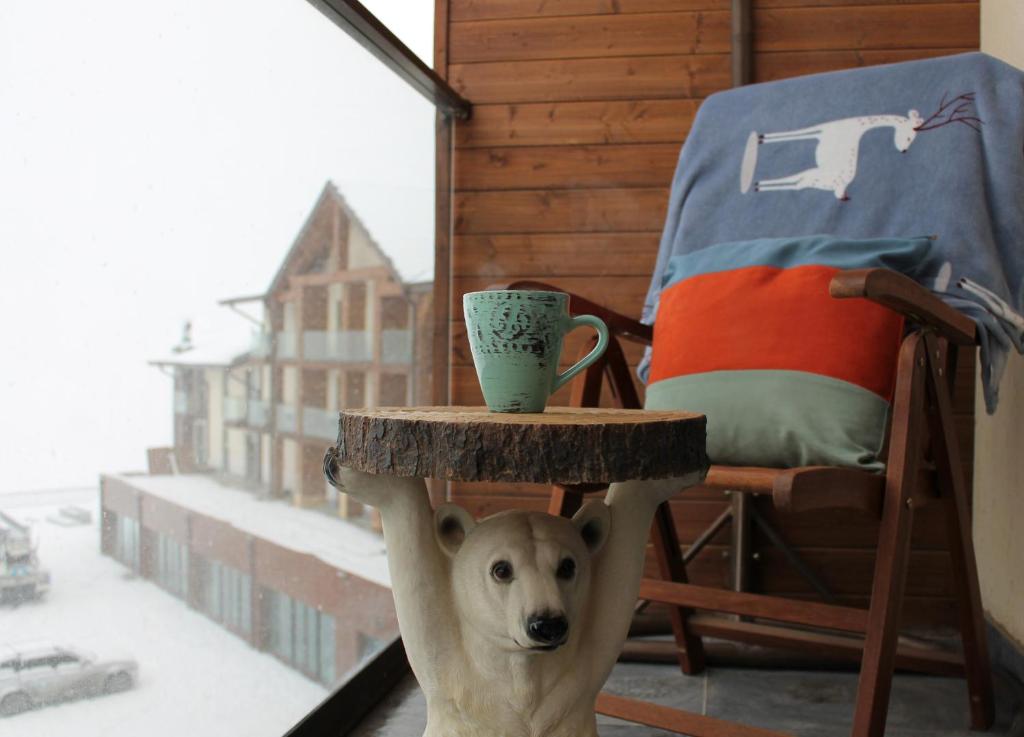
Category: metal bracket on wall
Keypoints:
(742, 43)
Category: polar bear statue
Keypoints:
(512, 624)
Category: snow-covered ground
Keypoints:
(195, 678)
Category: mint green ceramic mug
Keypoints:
(516, 339)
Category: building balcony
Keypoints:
(287, 418)
(320, 423)
(343, 346)
(257, 413)
(287, 345)
(396, 346)
(234, 409)
(261, 345)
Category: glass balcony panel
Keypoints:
(261, 176)
(234, 409)
(287, 418)
(320, 423)
(260, 347)
(396, 346)
(287, 346)
(337, 346)
(257, 413)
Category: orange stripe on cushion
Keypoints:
(763, 317)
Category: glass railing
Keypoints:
(343, 346)
(287, 345)
(396, 346)
(261, 345)
(287, 418)
(257, 413)
(320, 423)
(234, 409)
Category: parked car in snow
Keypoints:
(21, 577)
(34, 674)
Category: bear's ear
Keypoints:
(452, 525)
(594, 522)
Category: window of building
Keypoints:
(393, 390)
(355, 315)
(226, 595)
(394, 313)
(127, 543)
(172, 565)
(300, 634)
(355, 389)
(201, 443)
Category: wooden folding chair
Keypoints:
(922, 467)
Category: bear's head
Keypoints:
(521, 579)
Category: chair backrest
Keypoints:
(929, 147)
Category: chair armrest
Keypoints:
(900, 293)
(619, 324)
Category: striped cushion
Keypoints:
(747, 334)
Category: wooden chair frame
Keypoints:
(923, 467)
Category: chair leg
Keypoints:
(689, 647)
(564, 502)
(953, 488)
(879, 658)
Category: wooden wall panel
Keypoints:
(567, 123)
(562, 175)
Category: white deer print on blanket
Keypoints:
(838, 146)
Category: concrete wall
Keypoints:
(998, 460)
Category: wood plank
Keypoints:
(571, 445)
(565, 167)
(563, 211)
(600, 36)
(947, 25)
(848, 573)
(549, 257)
(463, 10)
(909, 657)
(571, 123)
(697, 507)
(628, 296)
(785, 64)
(755, 605)
(675, 720)
(569, 80)
(766, 4)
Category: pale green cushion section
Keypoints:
(780, 419)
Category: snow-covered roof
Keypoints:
(211, 355)
(338, 543)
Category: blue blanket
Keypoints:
(933, 147)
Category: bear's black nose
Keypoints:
(547, 629)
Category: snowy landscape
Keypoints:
(195, 677)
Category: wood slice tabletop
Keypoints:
(564, 445)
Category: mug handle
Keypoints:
(602, 343)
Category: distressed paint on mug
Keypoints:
(516, 339)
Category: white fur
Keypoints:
(465, 632)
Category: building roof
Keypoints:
(338, 543)
(328, 195)
(212, 356)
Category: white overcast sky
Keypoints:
(157, 157)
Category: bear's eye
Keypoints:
(566, 569)
(502, 571)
